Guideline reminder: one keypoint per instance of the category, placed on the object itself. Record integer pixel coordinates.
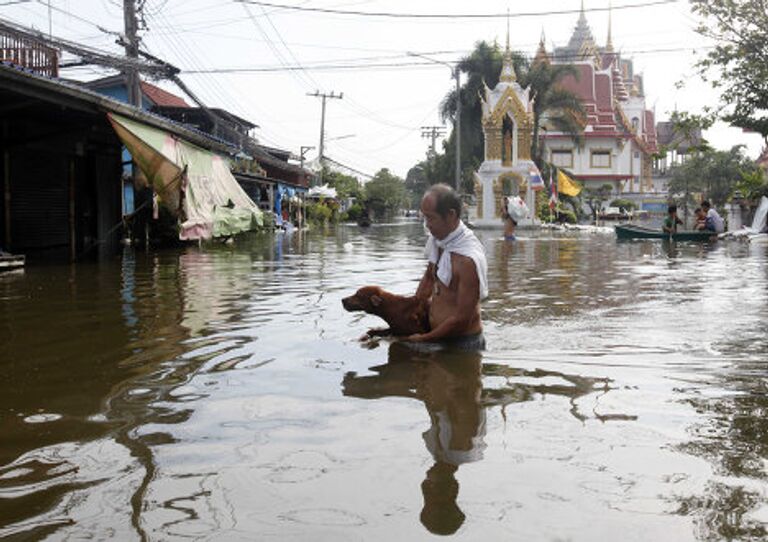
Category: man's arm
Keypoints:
(468, 295)
(424, 291)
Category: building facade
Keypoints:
(619, 138)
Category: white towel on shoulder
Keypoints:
(464, 242)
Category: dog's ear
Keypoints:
(376, 300)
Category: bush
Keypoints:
(318, 213)
(354, 212)
(566, 216)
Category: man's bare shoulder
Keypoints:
(463, 265)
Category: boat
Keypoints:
(9, 261)
(632, 231)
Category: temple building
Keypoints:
(507, 130)
(619, 138)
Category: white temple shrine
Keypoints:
(507, 129)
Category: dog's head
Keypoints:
(367, 299)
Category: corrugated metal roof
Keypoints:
(51, 89)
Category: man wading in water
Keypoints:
(456, 278)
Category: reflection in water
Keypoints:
(450, 384)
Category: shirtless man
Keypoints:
(456, 277)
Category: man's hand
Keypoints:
(416, 338)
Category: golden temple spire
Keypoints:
(507, 69)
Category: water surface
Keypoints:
(220, 393)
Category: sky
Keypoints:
(387, 96)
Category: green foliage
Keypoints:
(622, 203)
(385, 194)
(553, 107)
(346, 186)
(436, 169)
(354, 212)
(738, 63)
(566, 216)
(715, 174)
(319, 212)
(687, 129)
(752, 185)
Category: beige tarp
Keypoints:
(196, 185)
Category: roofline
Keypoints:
(90, 101)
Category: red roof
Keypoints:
(162, 97)
(583, 87)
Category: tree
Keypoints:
(385, 193)
(714, 174)
(561, 109)
(346, 186)
(739, 60)
(595, 197)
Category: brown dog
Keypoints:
(405, 315)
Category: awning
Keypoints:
(196, 185)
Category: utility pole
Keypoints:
(457, 75)
(303, 152)
(132, 81)
(324, 96)
(457, 123)
(432, 132)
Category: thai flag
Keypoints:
(553, 192)
(534, 179)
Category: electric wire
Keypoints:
(451, 15)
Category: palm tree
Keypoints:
(554, 105)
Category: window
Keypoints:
(600, 158)
(562, 157)
(635, 124)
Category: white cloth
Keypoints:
(461, 241)
(717, 220)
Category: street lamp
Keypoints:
(457, 75)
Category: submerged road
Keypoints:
(221, 394)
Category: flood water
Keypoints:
(221, 394)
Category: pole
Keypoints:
(7, 196)
(72, 227)
(457, 74)
(324, 96)
(322, 139)
(50, 21)
(132, 82)
(302, 152)
(432, 133)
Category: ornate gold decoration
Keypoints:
(479, 195)
(492, 133)
(509, 104)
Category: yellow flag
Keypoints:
(566, 185)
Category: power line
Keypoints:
(365, 66)
(451, 15)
